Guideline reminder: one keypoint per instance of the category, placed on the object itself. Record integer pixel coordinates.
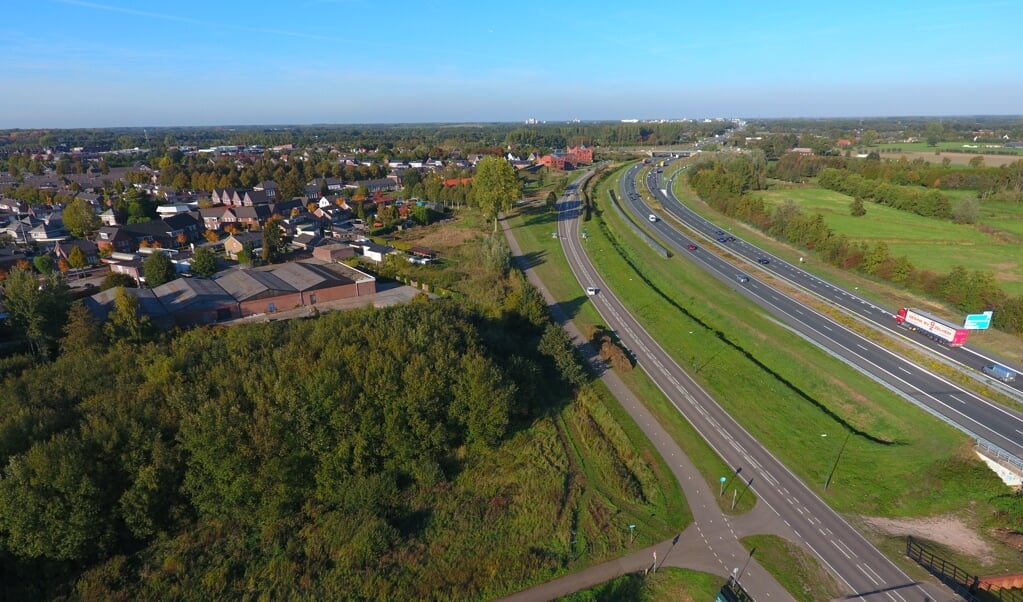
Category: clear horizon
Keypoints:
(85, 64)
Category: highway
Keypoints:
(972, 413)
(858, 566)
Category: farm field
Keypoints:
(958, 153)
(929, 244)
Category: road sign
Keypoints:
(978, 321)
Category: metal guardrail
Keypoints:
(992, 450)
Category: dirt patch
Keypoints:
(1013, 539)
(949, 531)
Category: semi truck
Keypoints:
(933, 327)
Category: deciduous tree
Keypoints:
(496, 186)
(158, 269)
(76, 258)
(80, 218)
(204, 263)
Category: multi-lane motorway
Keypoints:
(976, 415)
(858, 565)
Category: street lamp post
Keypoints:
(632, 534)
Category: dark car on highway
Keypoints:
(722, 239)
(763, 260)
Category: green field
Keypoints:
(789, 393)
(936, 245)
(973, 148)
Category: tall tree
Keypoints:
(76, 258)
(204, 263)
(158, 269)
(80, 218)
(275, 242)
(38, 309)
(44, 264)
(496, 186)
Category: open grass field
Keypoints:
(993, 244)
(784, 390)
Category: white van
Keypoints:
(1000, 372)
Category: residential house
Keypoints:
(375, 252)
(47, 233)
(112, 239)
(305, 240)
(269, 187)
(222, 196)
(234, 243)
(333, 252)
(10, 255)
(255, 197)
(287, 208)
(89, 249)
(108, 218)
(252, 217)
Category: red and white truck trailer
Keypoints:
(934, 327)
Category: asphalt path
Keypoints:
(975, 415)
(859, 567)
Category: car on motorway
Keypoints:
(652, 218)
(719, 232)
(591, 290)
(722, 239)
(729, 239)
(743, 278)
(691, 247)
(763, 260)
(1000, 372)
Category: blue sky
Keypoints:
(78, 63)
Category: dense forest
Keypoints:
(318, 458)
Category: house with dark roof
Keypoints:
(269, 187)
(89, 249)
(114, 239)
(10, 255)
(46, 232)
(247, 217)
(376, 185)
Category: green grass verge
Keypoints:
(794, 568)
(533, 232)
(666, 584)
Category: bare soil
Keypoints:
(949, 531)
